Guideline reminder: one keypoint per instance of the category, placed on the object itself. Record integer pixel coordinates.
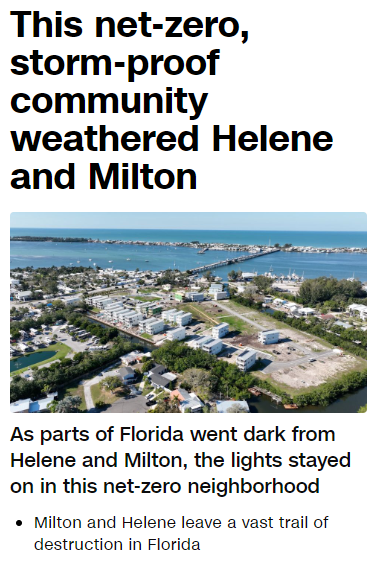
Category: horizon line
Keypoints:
(200, 229)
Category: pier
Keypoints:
(226, 262)
(265, 392)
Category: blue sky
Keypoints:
(275, 221)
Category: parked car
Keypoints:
(150, 403)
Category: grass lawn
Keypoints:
(61, 351)
(147, 336)
(199, 314)
(147, 388)
(73, 390)
(146, 298)
(162, 395)
(235, 324)
(104, 395)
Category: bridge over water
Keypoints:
(226, 262)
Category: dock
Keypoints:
(273, 396)
(226, 262)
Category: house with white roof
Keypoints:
(305, 311)
(188, 401)
(358, 309)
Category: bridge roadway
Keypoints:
(226, 262)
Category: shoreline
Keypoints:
(203, 247)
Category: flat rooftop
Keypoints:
(246, 354)
(213, 342)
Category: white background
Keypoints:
(305, 66)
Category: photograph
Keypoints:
(227, 312)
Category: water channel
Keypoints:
(30, 359)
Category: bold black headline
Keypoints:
(131, 68)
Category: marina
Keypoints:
(164, 257)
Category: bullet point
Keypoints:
(18, 523)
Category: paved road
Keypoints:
(87, 393)
(274, 366)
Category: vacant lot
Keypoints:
(304, 376)
(105, 396)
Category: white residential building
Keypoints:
(118, 312)
(121, 316)
(214, 287)
(72, 300)
(23, 296)
(305, 311)
(183, 319)
(132, 319)
(165, 314)
(246, 359)
(173, 315)
(358, 309)
(219, 295)
(145, 321)
(188, 401)
(199, 342)
(113, 305)
(220, 330)
(195, 296)
(142, 307)
(269, 337)
(213, 347)
(155, 327)
(97, 301)
(176, 334)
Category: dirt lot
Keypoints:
(308, 375)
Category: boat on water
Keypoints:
(110, 261)
(89, 259)
(128, 259)
(78, 261)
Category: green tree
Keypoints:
(69, 404)
(110, 383)
(166, 405)
(263, 283)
